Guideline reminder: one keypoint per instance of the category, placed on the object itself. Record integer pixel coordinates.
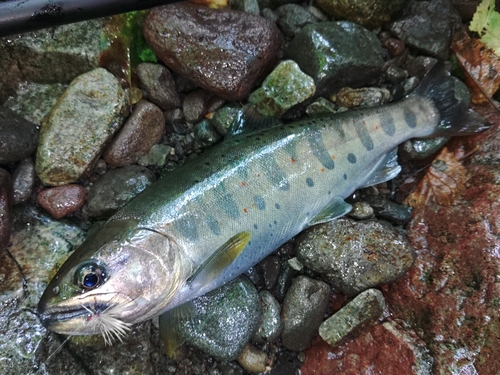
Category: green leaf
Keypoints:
(486, 22)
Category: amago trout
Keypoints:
(210, 220)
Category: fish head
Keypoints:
(123, 274)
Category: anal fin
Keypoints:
(170, 326)
(387, 168)
(336, 208)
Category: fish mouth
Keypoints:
(53, 318)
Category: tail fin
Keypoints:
(456, 118)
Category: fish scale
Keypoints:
(219, 214)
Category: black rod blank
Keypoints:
(19, 16)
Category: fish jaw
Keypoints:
(136, 273)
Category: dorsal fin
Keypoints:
(386, 169)
(249, 120)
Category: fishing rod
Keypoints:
(19, 16)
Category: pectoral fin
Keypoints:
(220, 260)
(170, 326)
(337, 208)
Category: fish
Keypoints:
(210, 220)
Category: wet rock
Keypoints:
(195, 105)
(11, 284)
(33, 101)
(270, 268)
(143, 129)
(253, 359)
(222, 51)
(364, 309)
(361, 211)
(303, 310)
(419, 149)
(18, 137)
(379, 349)
(158, 156)
(205, 134)
(364, 97)
(5, 207)
(23, 180)
(271, 325)
(53, 55)
(284, 280)
(94, 103)
(285, 87)
(369, 13)
(158, 85)
(395, 74)
(396, 213)
(62, 200)
(355, 256)
(336, 54)
(115, 188)
(224, 117)
(293, 17)
(224, 320)
(451, 294)
(428, 26)
(247, 6)
(321, 106)
(395, 46)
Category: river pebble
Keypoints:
(292, 18)
(224, 117)
(158, 85)
(23, 180)
(205, 134)
(367, 307)
(369, 13)
(253, 359)
(223, 51)
(195, 105)
(94, 103)
(271, 324)
(62, 200)
(157, 156)
(355, 256)
(283, 88)
(144, 128)
(364, 97)
(224, 320)
(336, 54)
(5, 206)
(116, 187)
(18, 136)
(428, 26)
(303, 310)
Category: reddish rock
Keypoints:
(62, 200)
(382, 349)
(144, 128)
(223, 51)
(5, 205)
(395, 46)
(451, 296)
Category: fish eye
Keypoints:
(89, 275)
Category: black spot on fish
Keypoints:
(277, 206)
(259, 202)
(309, 182)
(345, 176)
(255, 226)
(410, 118)
(351, 158)
(387, 122)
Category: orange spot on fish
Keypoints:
(333, 156)
(243, 183)
(322, 169)
(376, 127)
(245, 210)
(293, 160)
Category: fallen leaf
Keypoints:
(442, 184)
(480, 66)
